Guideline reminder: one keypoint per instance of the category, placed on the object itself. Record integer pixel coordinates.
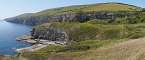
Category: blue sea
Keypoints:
(8, 33)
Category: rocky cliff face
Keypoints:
(49, 33)
(79, 13)
(79, 16)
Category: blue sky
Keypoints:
(10, 8)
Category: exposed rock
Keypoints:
(49, 33)
(78, 16)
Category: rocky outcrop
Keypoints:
(49, 33)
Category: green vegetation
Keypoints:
(96, 25)
(79, 13)
(72, 49)
(87, 36)
(94, 30)
(92, 7)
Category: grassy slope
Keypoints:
(93, 30)
(54, 51)
(91, 7)
(108, 31)
(124, 49)
(129, 50)
(112, 33)
(132, 49)
(85, 8)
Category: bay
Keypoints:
(8, 34)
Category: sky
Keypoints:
(11, 8)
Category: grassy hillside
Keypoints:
(78, 13)
(93, 27)
(84, 37)
(86, 8)
(91, 7)
(129, 50)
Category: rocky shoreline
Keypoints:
(36, 43)
(26, 38)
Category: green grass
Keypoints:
(91, 7)
(98, 35)
(114, 7)
(86, 36)
(92, 30)
(75, 49)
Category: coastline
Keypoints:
(35, 44)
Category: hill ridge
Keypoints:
(72, 13)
